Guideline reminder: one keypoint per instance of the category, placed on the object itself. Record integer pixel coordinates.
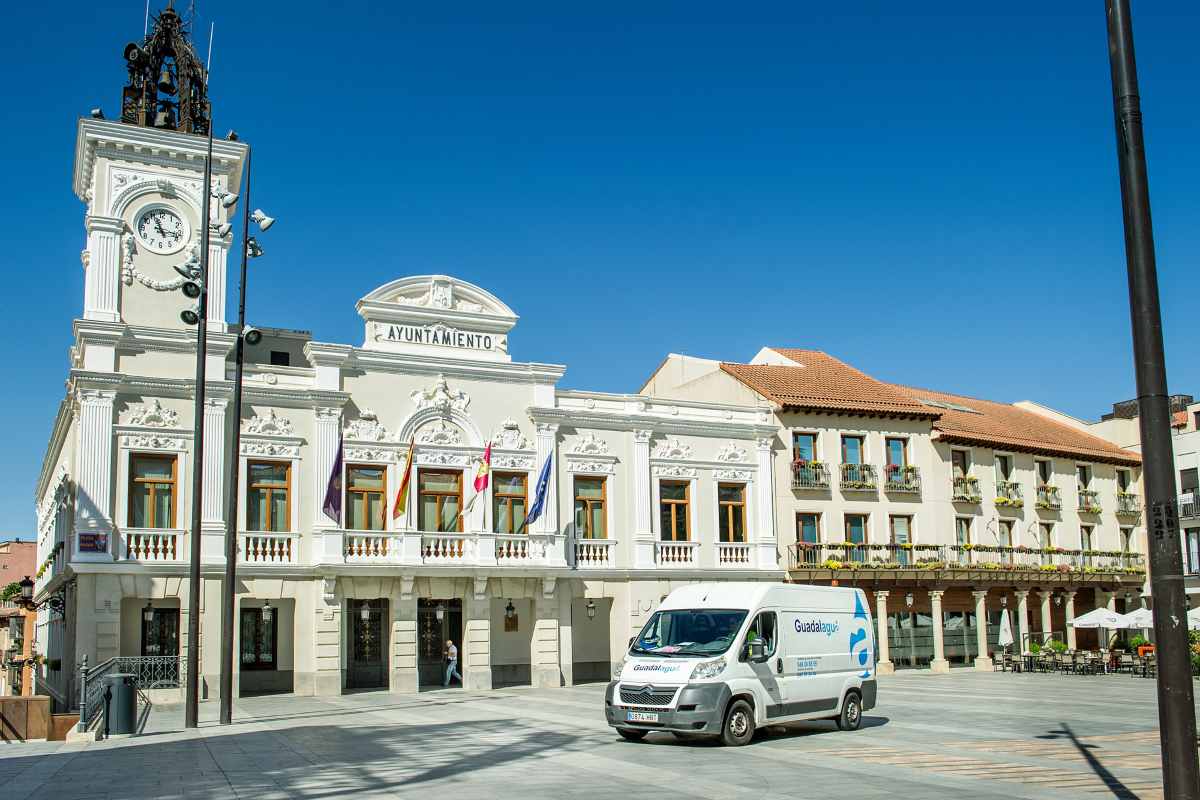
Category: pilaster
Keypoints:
(327, 637)
(213, 502)
(101, 282)
(327, 433)
(218, 254)
(884, 665)
(477, 640)
(404, 678)
(939, 662)
(93, 476)
(547, 446)
(544, 648)
(764, 534)
(643, 529)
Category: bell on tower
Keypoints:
(168, 85)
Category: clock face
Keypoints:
(161, 230)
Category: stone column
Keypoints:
(884, 665)
(1047, 620)
(102, 264)
(544, 648)
(764, 534)
(93, 478)
(983, 663)
(477, 639)
(939, 663)
(643, 527)
(547, 446)
(327, 434)
(1069, 618)
(1022, 596)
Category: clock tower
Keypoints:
(141, 179)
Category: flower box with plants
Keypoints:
(1009, 502)
(1090, 509)
(1046, 505)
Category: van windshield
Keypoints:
(689, 632)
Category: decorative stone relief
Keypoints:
(591, 445)
(440, 397)
(370, 454)
(440, 432)
(505, 461)
(731, 454)
(135, 441)
(442, 458)
(480, 588)
(367, 428)
(732, 474)
(153, 415)
(510, 436)
(130, 273)
(593, 467)
(673, 471)
(268, 425)
(257, 448)
(548, 587)
(673, 448)
(642, 436)
(440, 295)
(547, 428)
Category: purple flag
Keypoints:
(333, 493)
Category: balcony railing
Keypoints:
(447, 548)
(1008, 495)
(152, 544)
(1190, 509)
(733, 554)
(932, 557)
(366, 546)
(1049, 498)
(1089, 501)
(809, 475)
(1128, 503)
(965, 489)
(268, 548)
(859, 478)
(594, 553)
(676, 554)
(897, 478)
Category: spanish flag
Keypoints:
(402, 493)
(485, 467)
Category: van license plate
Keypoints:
(640, 716)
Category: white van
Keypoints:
(722, 659)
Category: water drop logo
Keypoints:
(860, 645)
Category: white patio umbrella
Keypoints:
(1193, 618)
(1101, 618)
(1006, 637)
(1141, 618)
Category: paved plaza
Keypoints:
(961, 735)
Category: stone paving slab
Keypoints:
(932, 736)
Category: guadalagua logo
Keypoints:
(655, 667)
(816, 626)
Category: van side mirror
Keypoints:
(757, 650)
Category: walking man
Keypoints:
(451, 654)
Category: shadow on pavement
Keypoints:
(1111, 781)
(791, 730)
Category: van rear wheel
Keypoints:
(739, 724)
(631, 734)
(851, 717)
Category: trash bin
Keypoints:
(120, 703)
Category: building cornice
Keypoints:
(505, 372)
(654, 422)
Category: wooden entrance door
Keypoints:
(368, 645)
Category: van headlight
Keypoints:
(708, 669)
(620, 668)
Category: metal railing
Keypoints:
(1128, 503)
(150, 672)
(1089, 501)
(965, 489)
(897, 478)
(809, 475)
(859, 478)
(1049, 498)
(852, 556)
(1008, 495)
(1190, 509)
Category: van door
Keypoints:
(813, 668)
(768, 670)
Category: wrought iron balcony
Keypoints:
(1128, 503)
(897, 478)
(1190, 508)
(965, 489)
(809, 475)
(1089, 501)
(1049, 498)
(1008, 495)
(859, 478)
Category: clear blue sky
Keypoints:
(925, 190)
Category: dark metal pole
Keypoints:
(192, 699)
(231, 512)
(1176, 712)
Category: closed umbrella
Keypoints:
(1006, 637)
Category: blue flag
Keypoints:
(539, 497)
(333, 492)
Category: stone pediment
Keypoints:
(437, 315)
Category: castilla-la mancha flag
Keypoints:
(402, 494)
(484, 469)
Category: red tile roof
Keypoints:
(820, 382)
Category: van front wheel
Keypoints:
(739, 724)
(851, 717)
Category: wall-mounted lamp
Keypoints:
(148, 612)
(591, 609)
(365, 613)
(908, 599)
(440, 612)
(509, 611)
(268, 613)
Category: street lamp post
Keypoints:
(1176, 710)
(245, 336)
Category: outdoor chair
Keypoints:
(1125, 663)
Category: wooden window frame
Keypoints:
(727, 509)
(272, 488)
(862, 448)
(588, 503)
(259, 665)
(1001, 474)
(351, 490)
(816, 515)
(796, 451)
(957, 520)
(887, 450)
(675, 505)
(1043, 480)
(966, 462)
(866, 527)
(1080, 470)
(499, 497)
(1000, 531)
(421, 494)
(892, 527)
(134, 482)
(1124, 480)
